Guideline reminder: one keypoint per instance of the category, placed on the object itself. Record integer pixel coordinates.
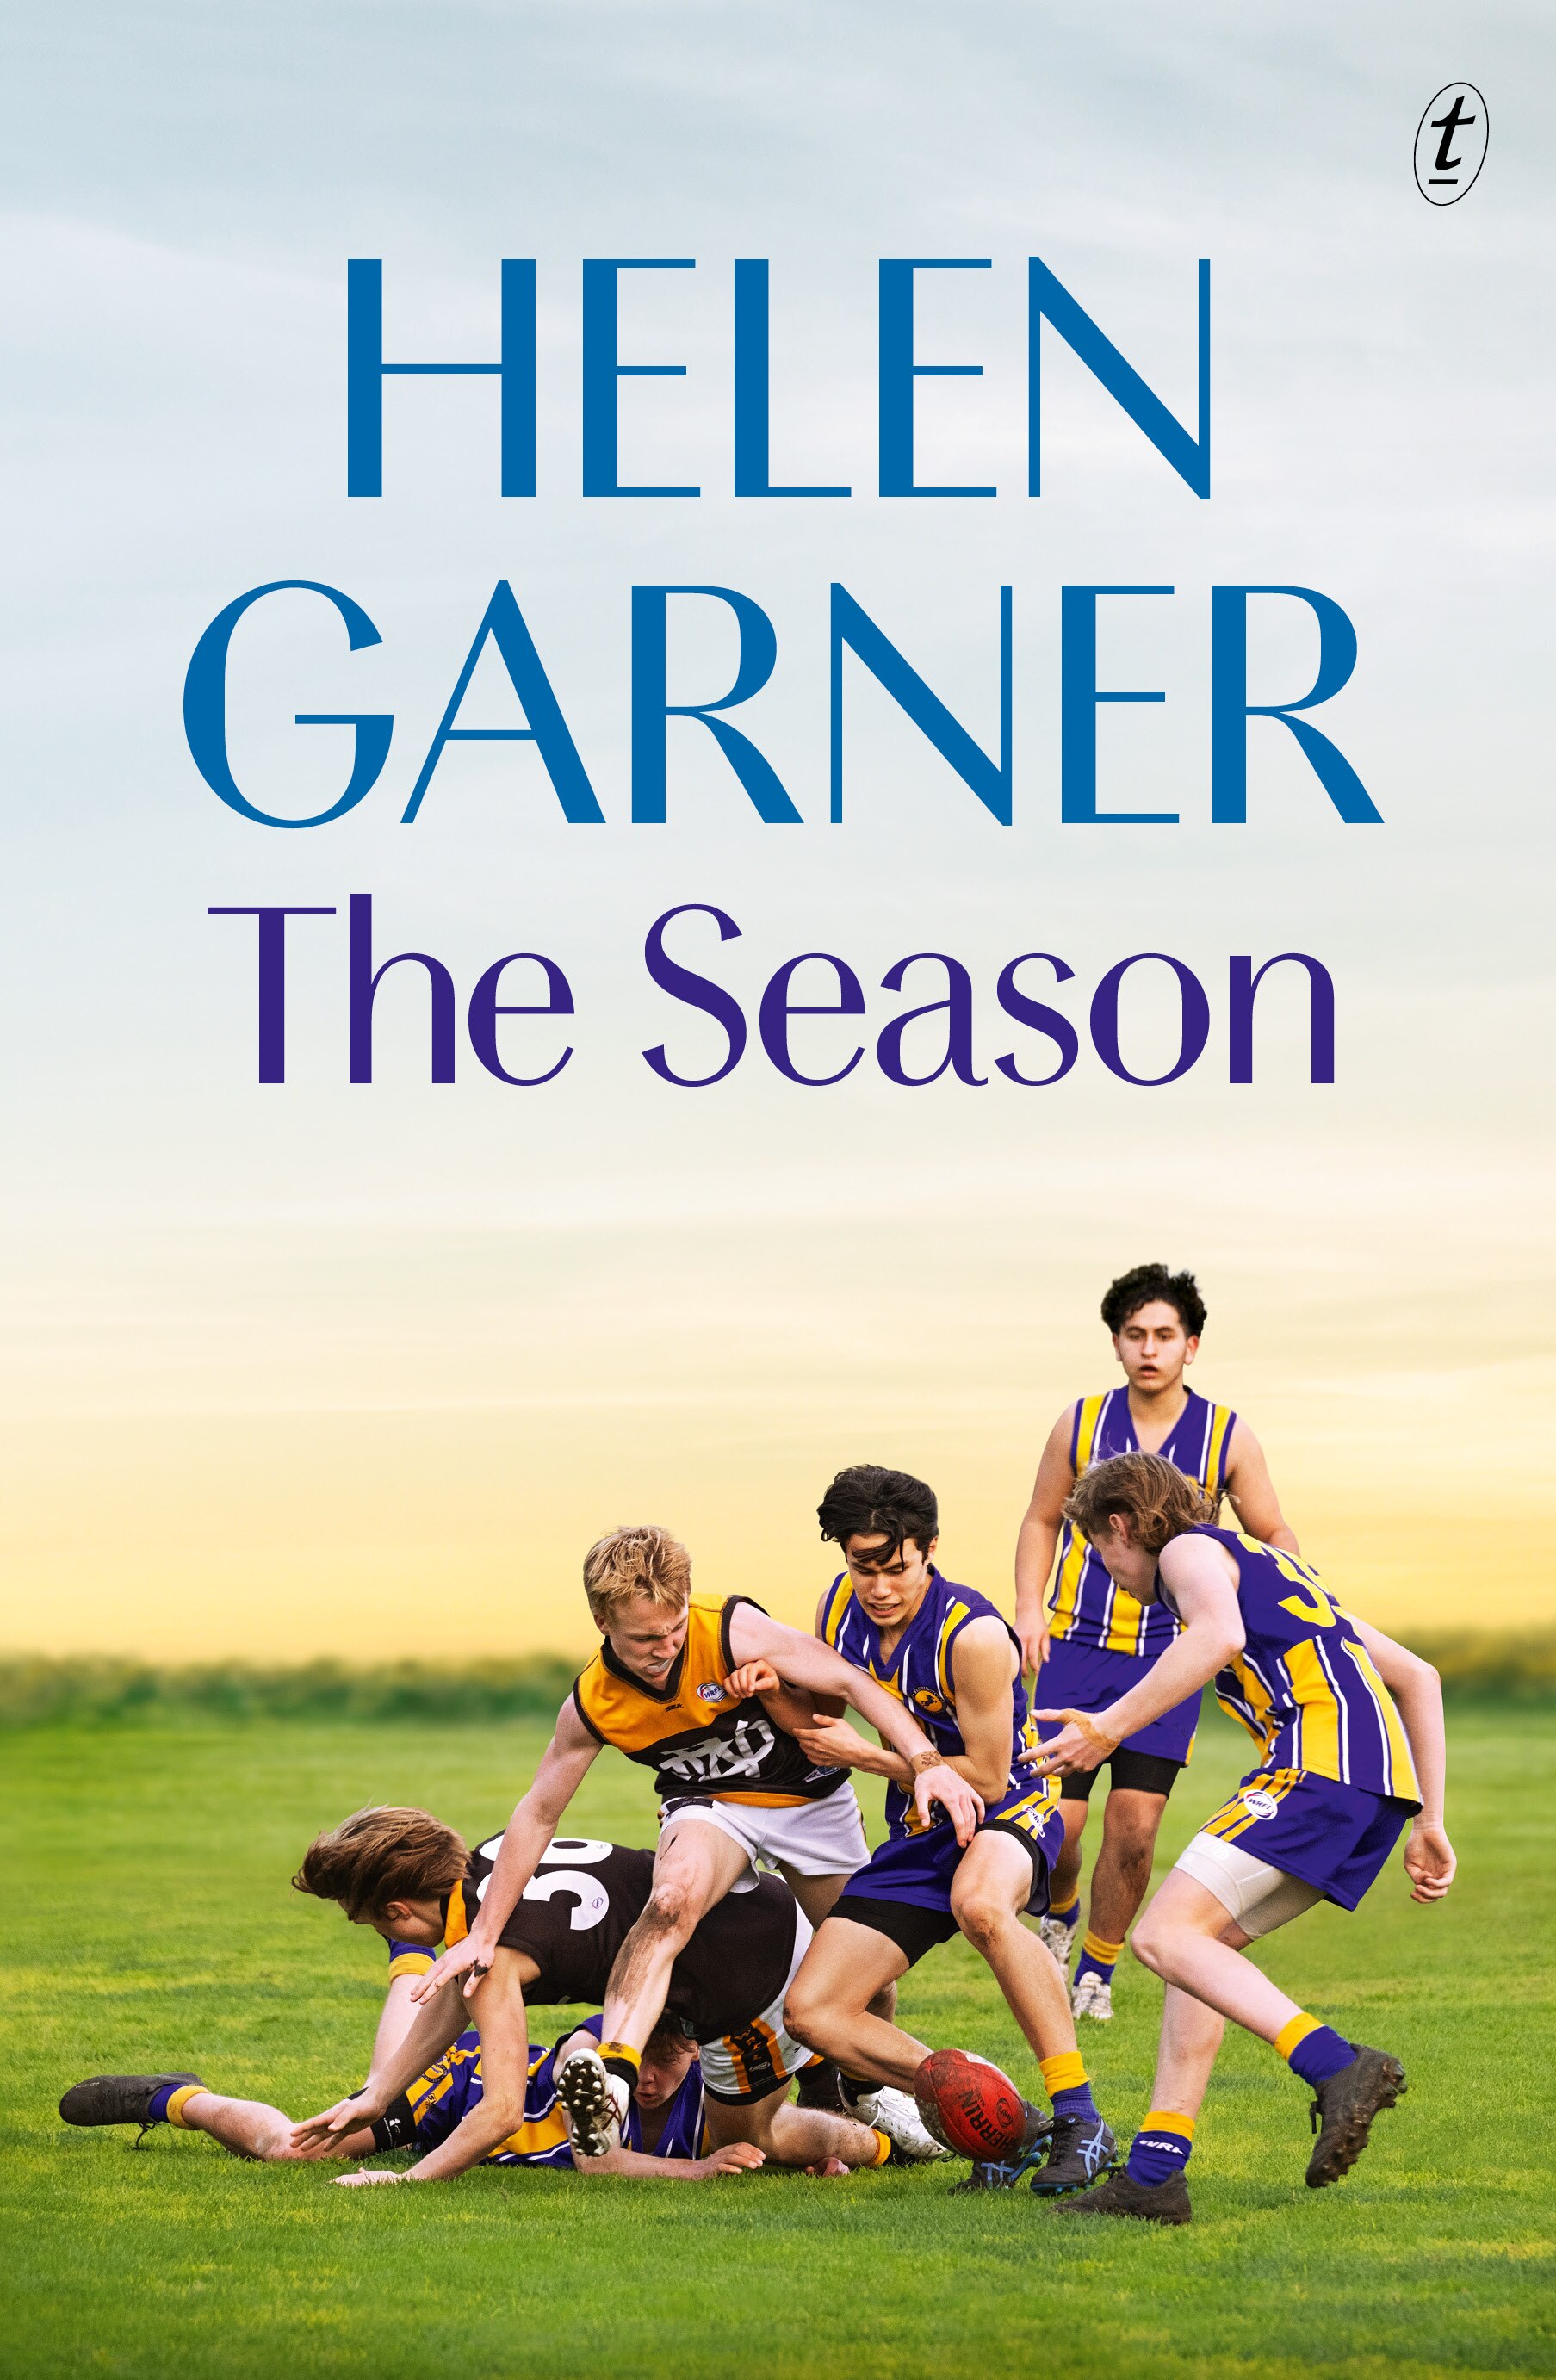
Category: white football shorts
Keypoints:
(1259, 1897)
(825, 1838)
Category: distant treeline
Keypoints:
(34, 1692)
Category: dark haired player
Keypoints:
(1096, 1639)
(410, 1878)
(947, 1655)
(1341, 1769)
(663, 2140)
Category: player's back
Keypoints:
(584, 1899)
(1304, 1685)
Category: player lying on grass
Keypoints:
(1095, 1641)
(410, 1878)
(949, 1655)
(678, 1684)
(1340, 1769)
(663, 2140)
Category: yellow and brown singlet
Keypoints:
(702, 1745)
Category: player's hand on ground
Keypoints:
(950, 1789)
(318, 2134)
(1080, 1744)
(752, 1678)
(831, 1743)
(466, 1958)
(829, 2169)
(738, 2156)
(1430, 1861)
(363, 2175)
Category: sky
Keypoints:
(362, 1368)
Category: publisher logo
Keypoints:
(1451, 142)
(711, 1693)
(1261, 1806)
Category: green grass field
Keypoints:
(149, 1923)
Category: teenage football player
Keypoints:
(410, 1878)
(663, 2140)
(947, 1655)
(678, 1684)
(1343, 1768)
(1095, 1640)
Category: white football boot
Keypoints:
(1093, 1997)
(595, 2099)
(1059, 1937)
(897, 2114)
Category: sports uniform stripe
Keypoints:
(956, 1614)
(1343, 1707)
(1399, 1769)
(1317, 1722)
(1213, 1478)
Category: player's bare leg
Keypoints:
(1066, 1867)
(816, 1895)
(249, 2128)
(790, 2135)
(1120, 1879)
(829, 2003)
(1183, 1938)
(696, 1865)
(1120, 1872)
(993, 1885)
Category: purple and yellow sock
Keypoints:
(167, 2105)
(1161, 2147)
(1066, 1912)
(1098, 1957)
(1064, 2080)
(1313, 2049)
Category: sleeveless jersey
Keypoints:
(921, 1674)
(1304, 1685)
(1086, 1607)
(583, 1900)
(701, 1745)
(441, 2098)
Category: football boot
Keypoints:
(1343, 2109)
(595, 2099)
(1081, 2149)
(1161, 2202)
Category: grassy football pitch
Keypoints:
(149, 1923)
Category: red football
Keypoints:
(970, 2104)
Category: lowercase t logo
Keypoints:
(1451, 142)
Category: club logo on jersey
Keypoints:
(712, 1692)
(1261, 1806)
(926, 1701)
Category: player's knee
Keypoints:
(670, 1911)
(1149, 1944)
(983, 1917)
(805, 2014)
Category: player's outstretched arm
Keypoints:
(1251, 1491)
(1430, 1859)
(1037, 1538)
(1200, 1575)
(534, 1822)
(420, 2046)
(800, 1660)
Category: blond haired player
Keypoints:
(678, 1685)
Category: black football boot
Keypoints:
(1343, 2109)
